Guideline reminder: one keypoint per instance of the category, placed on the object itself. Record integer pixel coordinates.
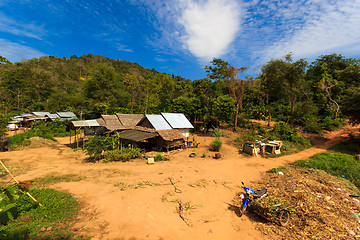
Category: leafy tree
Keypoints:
(104, 89)
(222, 71)
(223, 108)
(190, 106)
(333, 77)
(352, 108)
(4, 60)
(284, 78)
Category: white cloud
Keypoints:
(209, 27)
(20, 29)
(123, 48)
(201, 28)
(325, 27)
(15, 52)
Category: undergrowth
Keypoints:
(337, 164)
(50, 221)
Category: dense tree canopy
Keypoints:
(315, 96)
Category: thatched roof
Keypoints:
(112, 122)
(130, 119)
(170, 134)
(144, 129)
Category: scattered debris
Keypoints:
(192, 154)
(316, 200)
(180, 210)
(177, 190)
(217, 155)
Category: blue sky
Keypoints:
(180, 36)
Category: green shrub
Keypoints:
(331, 124)
(217, 133)
(216, 145)
(313, 127)
(123, 155)
(96, 145)
(160, 157)
(284, 132)
(341, 165)
(276, 170)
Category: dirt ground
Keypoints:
(134, 200)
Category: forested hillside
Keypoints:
(316, 96)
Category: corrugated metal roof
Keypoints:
(52, 115)
(66, 115)
(80, 123)
(135, 135)
(42, 114)
(177, 120)
(92, 123)
(86, 123)
(26, 115)
(34, 118)
(158, 122)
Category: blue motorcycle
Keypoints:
(250, 197)
(277, 213)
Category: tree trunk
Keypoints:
(292, 107)
(268, 107)
(236, 116)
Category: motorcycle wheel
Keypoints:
(241, 210)
(284, 217)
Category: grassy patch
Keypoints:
(341, 165)
(22, 139)
(276, 170)
(351, 146)
(51, 179)
(124, 186)
(52, 221)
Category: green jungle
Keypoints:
(314, 96)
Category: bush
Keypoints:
(341, 165)
(216, 145)
(331, 124)
(285, 133)
(217, 133)
(96, 145)
(160, 157)
(313, 127)
(123, 155)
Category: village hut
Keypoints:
(168, 139)
(130, 120)
(178, 121)
(66, 115)
(110, 122)
(137, 138)
(27, 119)
(156, 122)
(52, 116)
(40, 114)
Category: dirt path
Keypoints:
(133, 200)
